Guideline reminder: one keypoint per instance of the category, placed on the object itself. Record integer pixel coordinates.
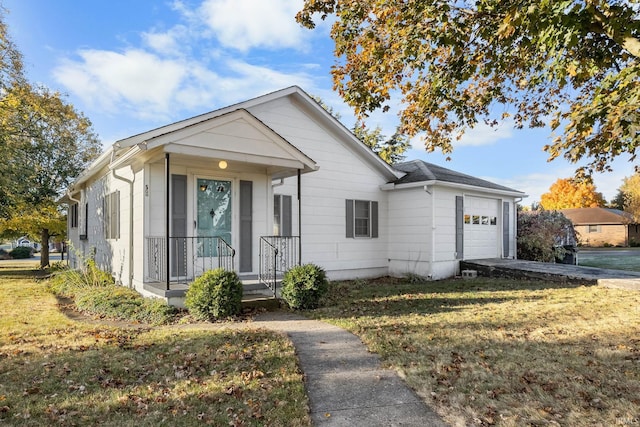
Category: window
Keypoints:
(362, 218)
(73, 216)
(111, 204)
(281, 215)
(594, 229)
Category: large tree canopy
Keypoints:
(572, 65)
(568, 193)
(44, 144)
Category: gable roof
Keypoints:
(602, 216)
(419, 172)
(127, 147)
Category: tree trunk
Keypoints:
(44, 251)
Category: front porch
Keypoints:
(173, 263)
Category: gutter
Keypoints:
(493, 191)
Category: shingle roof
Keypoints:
(585, 216)
(419, 171)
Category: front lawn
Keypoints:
(610, 258)
(58, 371)
(503, 352)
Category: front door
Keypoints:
(213, 216)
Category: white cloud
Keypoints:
(245, 24)
(608, 182)
(483, 134)
(166, 43)
(108, 79)
(149, 86)
(533, 185)
(536, 184)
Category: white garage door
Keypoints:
(481, 228)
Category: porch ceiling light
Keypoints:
(203, 187)
(222, 164)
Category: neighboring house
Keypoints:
(24, 241)
(603, 226)
(278, 172)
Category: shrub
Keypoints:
(303, 286)
(21, 252)
(214, 295)
(122, 303)
(68, 281)
(542, 234)
(94, 291)
(4, 254)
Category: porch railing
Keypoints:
(277, 255)
(189, 257)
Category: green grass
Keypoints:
(610, 260)
(503, 352)
(59, 371)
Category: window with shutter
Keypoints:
(361, 218)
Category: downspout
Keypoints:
(433, 230)
(130, 182)
(299, 219)
(167, 171)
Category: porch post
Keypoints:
(299, 219)
(167, 205)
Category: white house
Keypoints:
(270, 182)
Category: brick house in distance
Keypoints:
(603, 226)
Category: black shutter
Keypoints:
(115, 215)
(286, 216)
(106, 213)
(349, 218)
(178, 225)
(246, 220)
(374, 219)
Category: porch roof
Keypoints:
(236, 136)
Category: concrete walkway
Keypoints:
(345, 383)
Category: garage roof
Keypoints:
(421, 171)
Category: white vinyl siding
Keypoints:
(342, 174)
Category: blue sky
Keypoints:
(131, 66)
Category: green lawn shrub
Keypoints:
(118, 302)
(21, 252)
(94, 292)
(214, 295)
(303, 286)
(67, 281)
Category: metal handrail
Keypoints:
(277, 255)
(189, 257)
(267, 272)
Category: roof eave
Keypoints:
(392, 186)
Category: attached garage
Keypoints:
(482, 227)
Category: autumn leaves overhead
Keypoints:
(569, 65)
